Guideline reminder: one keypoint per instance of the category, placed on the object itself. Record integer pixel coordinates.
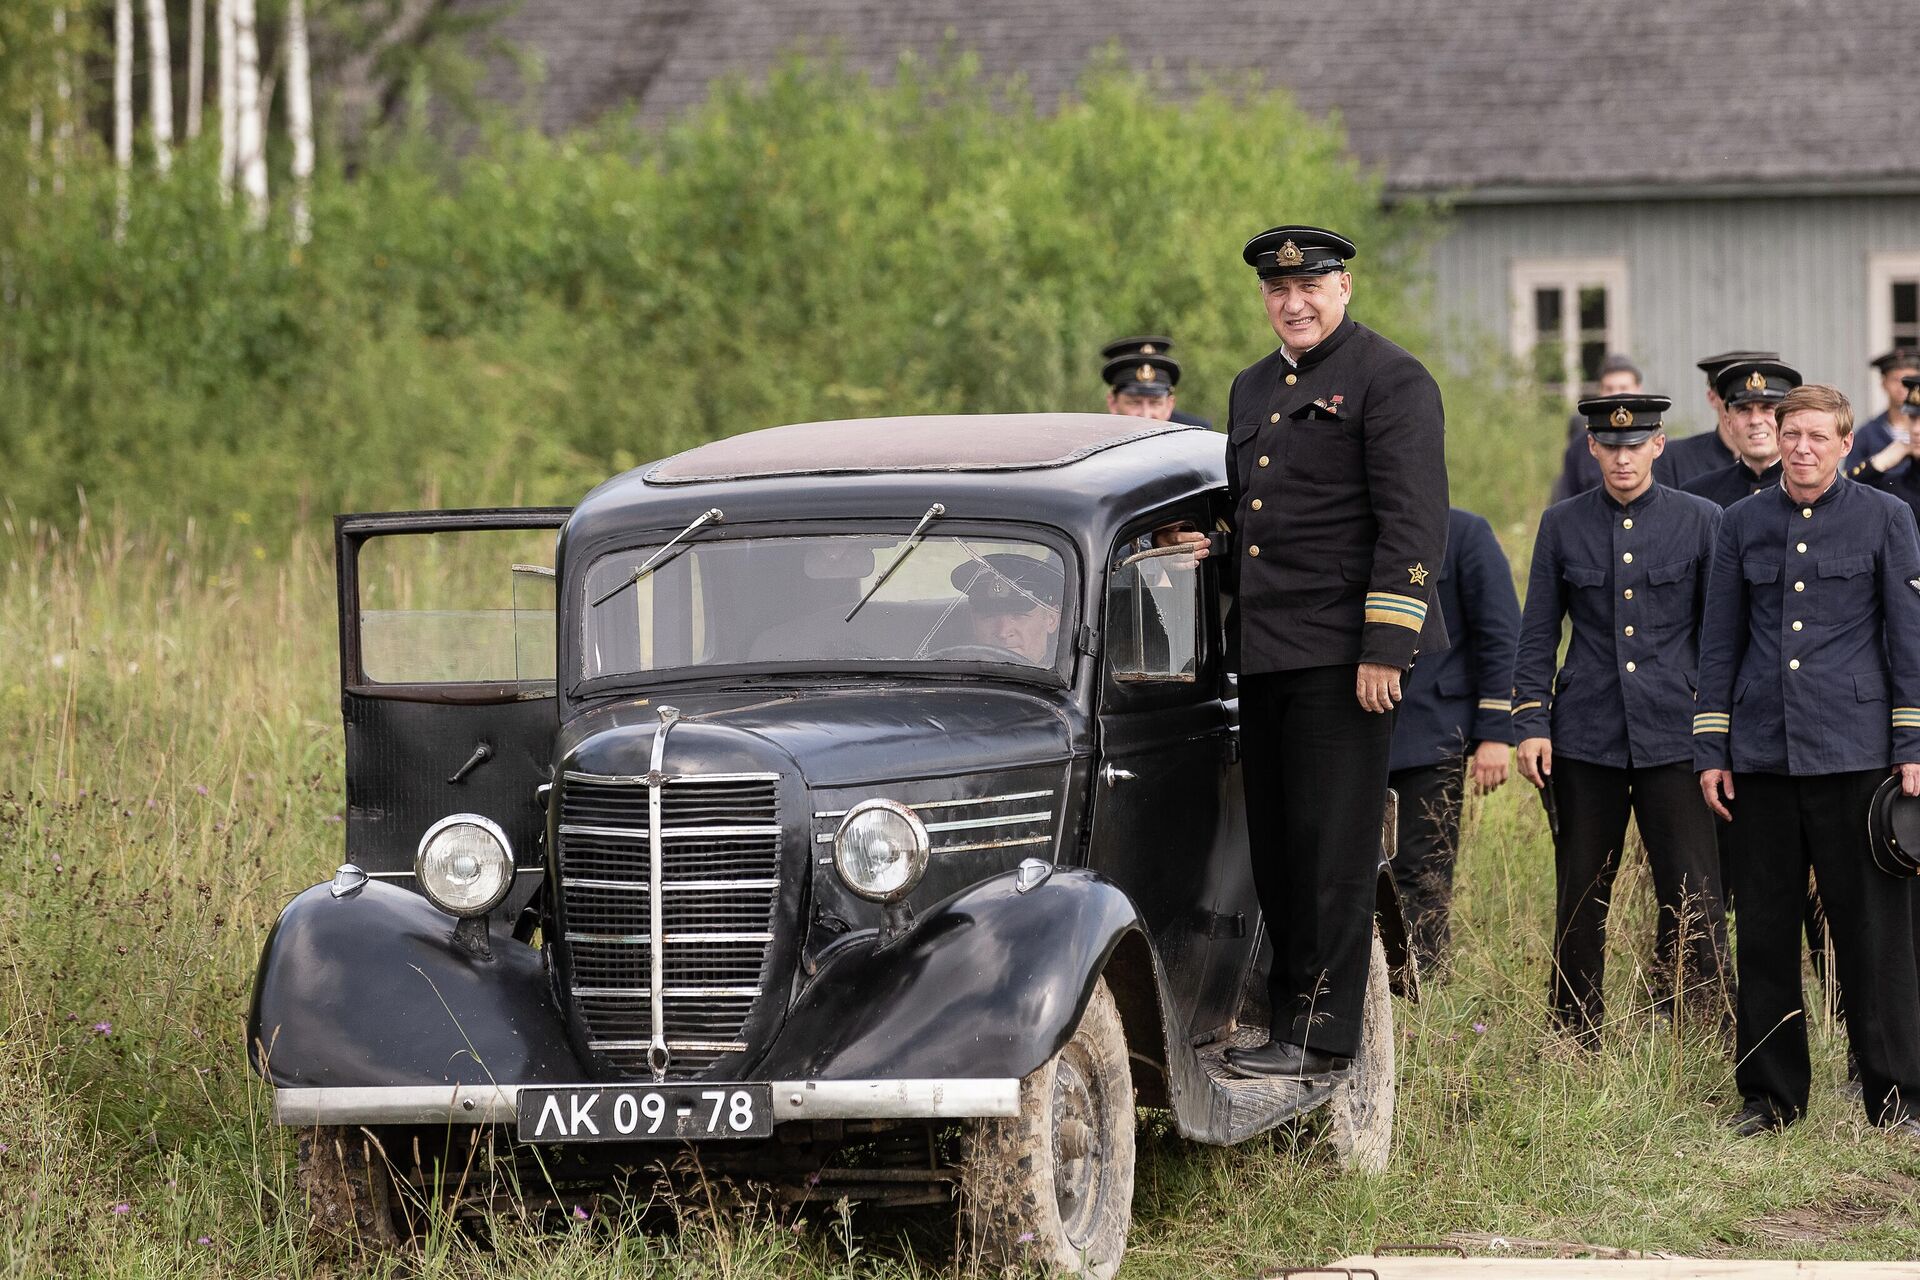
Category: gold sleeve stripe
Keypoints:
(1394, 618)
(1495, 704)
(1518, 707)
(1906, 717)
(1713, 722)
(1396, 610)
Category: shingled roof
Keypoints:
(1494, 99)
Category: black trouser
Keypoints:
(1677, 829)
(1780, 826)
(1315, 770)
(1428, 839)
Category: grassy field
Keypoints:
(170, 775)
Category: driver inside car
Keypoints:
(1014, 604)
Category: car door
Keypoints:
(1168, 823)
(447, 635)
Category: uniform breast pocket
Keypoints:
(1846, 589)
(1321, 449)
(1243, 450)
(1870, 686)
(1584, 575)
(1760, 572)
(1672, 587)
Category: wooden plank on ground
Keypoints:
(1405, 1268)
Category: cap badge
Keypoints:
(1417, 575)
(1289, 255)
(1756, 381)
(998, 589)
(1913, 395)
(1149, 349)
(1144, 373)
(1622, 417)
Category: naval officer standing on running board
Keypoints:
(1338, 479)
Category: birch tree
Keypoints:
(229, 118)
(160, 84)
(122, 109)
(62, 97)
(300, 118)
(196, 64)
(250, 154)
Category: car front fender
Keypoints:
(990, 982)
(370, 989)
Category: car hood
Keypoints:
(844, 736)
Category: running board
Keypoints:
(1240, 1108)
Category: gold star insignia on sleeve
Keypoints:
(1417, 575)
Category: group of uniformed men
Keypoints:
(1744, 610)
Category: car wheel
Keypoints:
(1359, 1118)
(1053, 1186)
(342, 1175)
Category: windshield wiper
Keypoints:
(934, 512)
(712, 515)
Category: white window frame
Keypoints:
(1882, 270)
(1568, 274)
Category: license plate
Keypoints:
(646, 1113)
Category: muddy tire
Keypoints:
(1358, 1121)
(342, 1177)
(1052, 1189)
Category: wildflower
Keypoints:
(200, 788)
(580, 1212)
(204, 1240)
(122, 1209)
(1025, 1237)
(332, 817)
(103, 1028)
(1479, 1028)
(3, 1148)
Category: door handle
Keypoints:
(481, 754)
(1113, 776)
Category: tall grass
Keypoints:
(171, 776)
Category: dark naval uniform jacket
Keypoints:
(1728, 485)
(1869, 438)
(1458, 698)
(1632, 580)
(1810, 654)
(1690, 457)
(1338, 478)
(1188, 420)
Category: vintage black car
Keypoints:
(853, 805)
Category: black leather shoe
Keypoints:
(1754, 1121)
(1278, 1059)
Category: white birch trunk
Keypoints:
(62, 97)
(300, 118)
(250, 156)
(196, 64)
(229, 119)
(160, 84)
(36, 130)
(122, 109)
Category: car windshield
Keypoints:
(728, 601)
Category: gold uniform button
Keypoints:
(1256, 504)
(1628, 593)
(1263, 459)
(1631, 667)
(1799, 586)
(1806, 513)
(1253, 551)
(1801, 548)
(1627, 523)
(1292, 378)
(1793, 664)
(1274, 418)
(1797, 624)
(1627, 558)
(1629, 631)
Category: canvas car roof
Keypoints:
(873, 446)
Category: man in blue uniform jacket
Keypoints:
(1749, 389)
(1453, 726)
(1141, 375)
(1888, 465)
(1626, 564)
(1619, 376)
(1815, 595)
(1693, 456)
(1337, 475)
(1890, 427)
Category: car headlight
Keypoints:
(464, 864)
(881, 850)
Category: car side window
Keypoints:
(1153, 614)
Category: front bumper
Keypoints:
(792, 1100)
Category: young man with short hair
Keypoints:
(1809, 696)
(1749, 390)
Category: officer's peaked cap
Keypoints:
(1626, 419)
(1748, 381)
(1139, 375)
(1297, 251)
(1009, 583)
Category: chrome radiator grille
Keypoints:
(719, 877)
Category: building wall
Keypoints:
(1702, 276)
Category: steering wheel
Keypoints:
(979, 653)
